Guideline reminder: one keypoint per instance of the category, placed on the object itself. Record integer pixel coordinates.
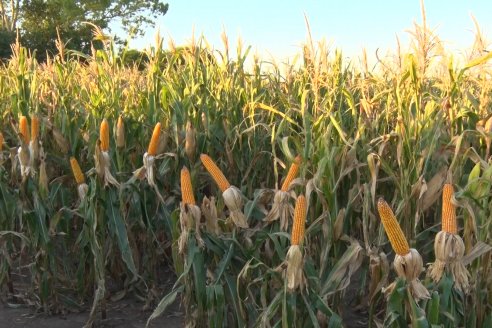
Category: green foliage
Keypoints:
(399, 131)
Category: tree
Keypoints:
(40, 21)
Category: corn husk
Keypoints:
(190, 142)
(120, 133)
(24, 156)
(294, 272)
(189, 219)
(409, 267)
(281, 209)
(43, 176)
(209, 211)
(233, 199)
(449, 249)
(103, 166)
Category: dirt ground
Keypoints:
(125, 314)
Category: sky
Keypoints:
(278, 28)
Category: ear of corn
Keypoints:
(24, 129)
(299, 221)
(448, 210)
(104, 135)
(392, 228)
(77, 172)
(34, 127)
(186, 187)
(215, 172)
(120, 133)
(292, 174)
(154, 141)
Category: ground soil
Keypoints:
(126, 313)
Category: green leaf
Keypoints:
(117, 228)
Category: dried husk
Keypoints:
(24, 156)
(281, 209)
(34, 151)
(103, 165)
(209, 211)
(409, 267)
(82, 190)
(234, 202)
(190, 142)
(43, 176)
(120, 133)
(189, 219)
(449, 249)
(148, 162)
(294, 271)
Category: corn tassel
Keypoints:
(186, 187)
(215, 172)
(104, 135)
(292, 174)
(154, 141)
(299, 221)
(393, 229)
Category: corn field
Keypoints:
(263, 187)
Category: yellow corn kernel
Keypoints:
(104, 135)
(298, 227)
(448, 210)
(77, 172)
(215, 172)
(154, 141)
(34, 127)
(186, 187)
(392, 228)
(292, 174)
(24, 129)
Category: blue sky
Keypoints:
(278, 28)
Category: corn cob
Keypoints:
(299, 221)
(448, 211)
(393, 229)
(215, 172)
(77, 172)
(24, 129)
(104, 135)
(154, 141)
(34, 127)
(186, 187)
(120, 133)
(292, 174)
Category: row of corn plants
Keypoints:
(260, 187)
